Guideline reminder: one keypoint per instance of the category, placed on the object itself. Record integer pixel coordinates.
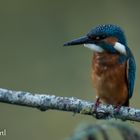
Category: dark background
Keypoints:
(33, 59)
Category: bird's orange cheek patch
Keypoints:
(111, 40)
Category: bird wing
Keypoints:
(131, 69)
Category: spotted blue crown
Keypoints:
(109, 30)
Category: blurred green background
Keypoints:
(33, 59)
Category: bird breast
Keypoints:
(109, 78)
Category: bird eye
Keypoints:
(98, 37)
(103, 36)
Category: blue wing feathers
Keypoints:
(131, 70)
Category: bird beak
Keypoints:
(81, 40)
(88, 43)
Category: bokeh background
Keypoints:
(32, 58)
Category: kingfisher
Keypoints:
(113, 64)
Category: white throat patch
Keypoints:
(94, 47)
(120, 48)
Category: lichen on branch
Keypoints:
(45, 102)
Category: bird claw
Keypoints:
(97, 103)
(117, 108)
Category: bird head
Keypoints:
(108, 37)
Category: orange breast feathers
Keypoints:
(109, 78)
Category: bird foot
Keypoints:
(97, 103)
(117, 108)
(117, 111)
(98, 115)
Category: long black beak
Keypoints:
(81, 40)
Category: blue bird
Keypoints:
(113, 64)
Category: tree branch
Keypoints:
(45, 102)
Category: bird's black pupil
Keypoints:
(98, 37)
